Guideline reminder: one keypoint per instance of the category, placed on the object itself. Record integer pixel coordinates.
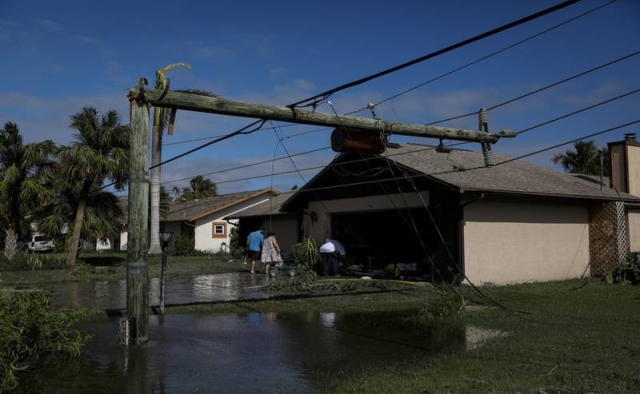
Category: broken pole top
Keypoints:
(216, 105)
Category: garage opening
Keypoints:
(395, 243)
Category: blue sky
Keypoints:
(60, 56)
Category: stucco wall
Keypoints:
(286, 229)
(634, 230)
(204, 239)
(633, 158)
(512, 242)
(618, 172)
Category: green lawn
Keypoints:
(561, 337)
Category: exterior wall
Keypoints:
(633, 216)
(286, 229)
(317, 221)
(508, 241)
(124, 239)
(618, 172)
(633, 159)
(205, 239)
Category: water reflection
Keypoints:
(253, 352)
(180, 290)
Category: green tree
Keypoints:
(99, 154)
(585, 158)
(22, 168)
(199, 187)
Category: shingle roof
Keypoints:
(270, 207)
(465, 170)
(197, 209)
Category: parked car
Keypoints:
(40, 243)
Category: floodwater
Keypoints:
(236, 353)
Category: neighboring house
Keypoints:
(204, 218)
(286, 226)
(119, 243)
(457, 220)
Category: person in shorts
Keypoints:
(254, 247)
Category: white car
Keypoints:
(40, 243)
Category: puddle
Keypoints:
(247, 353)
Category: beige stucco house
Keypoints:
(456, 219)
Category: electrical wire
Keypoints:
(510, 25)
(520, 97)
(504, 49)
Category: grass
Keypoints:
(113, 267)
(562, 337)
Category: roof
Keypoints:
(465, 170)
(196, 209)
(270, 207)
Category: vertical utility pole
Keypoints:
(138, 246)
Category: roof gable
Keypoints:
(196, 209)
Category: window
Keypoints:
(219, 230)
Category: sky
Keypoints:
(61, 56)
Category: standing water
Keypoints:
(233, 353)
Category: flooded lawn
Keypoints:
(235, 353)
(248, 353)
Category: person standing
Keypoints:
(254, 247)
(270, 251)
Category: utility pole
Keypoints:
(200, 103)
(138, 238)
(140, 100)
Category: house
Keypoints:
(204, 218)
(119, 243)
(449, 217)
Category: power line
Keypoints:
(547, 122)
(460, 44)
(485, 57)
(542, 88)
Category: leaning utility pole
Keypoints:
(138, 231)
(141, 99)
(200, 103)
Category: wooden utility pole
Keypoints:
(200, 103)
(140, 99)
(138, 237)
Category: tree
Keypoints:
(200, 187)
(100, 153)
(160, 117)
(584, 159)
(22, 166)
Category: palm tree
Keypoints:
(22, 166)
(102, 215)
(100, 153)
(200, 187)
(160, 117)
(585, 159)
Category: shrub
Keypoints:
(34, 334)
(306, 254)
(183, 245)
(627, 271)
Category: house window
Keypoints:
(219, 230)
